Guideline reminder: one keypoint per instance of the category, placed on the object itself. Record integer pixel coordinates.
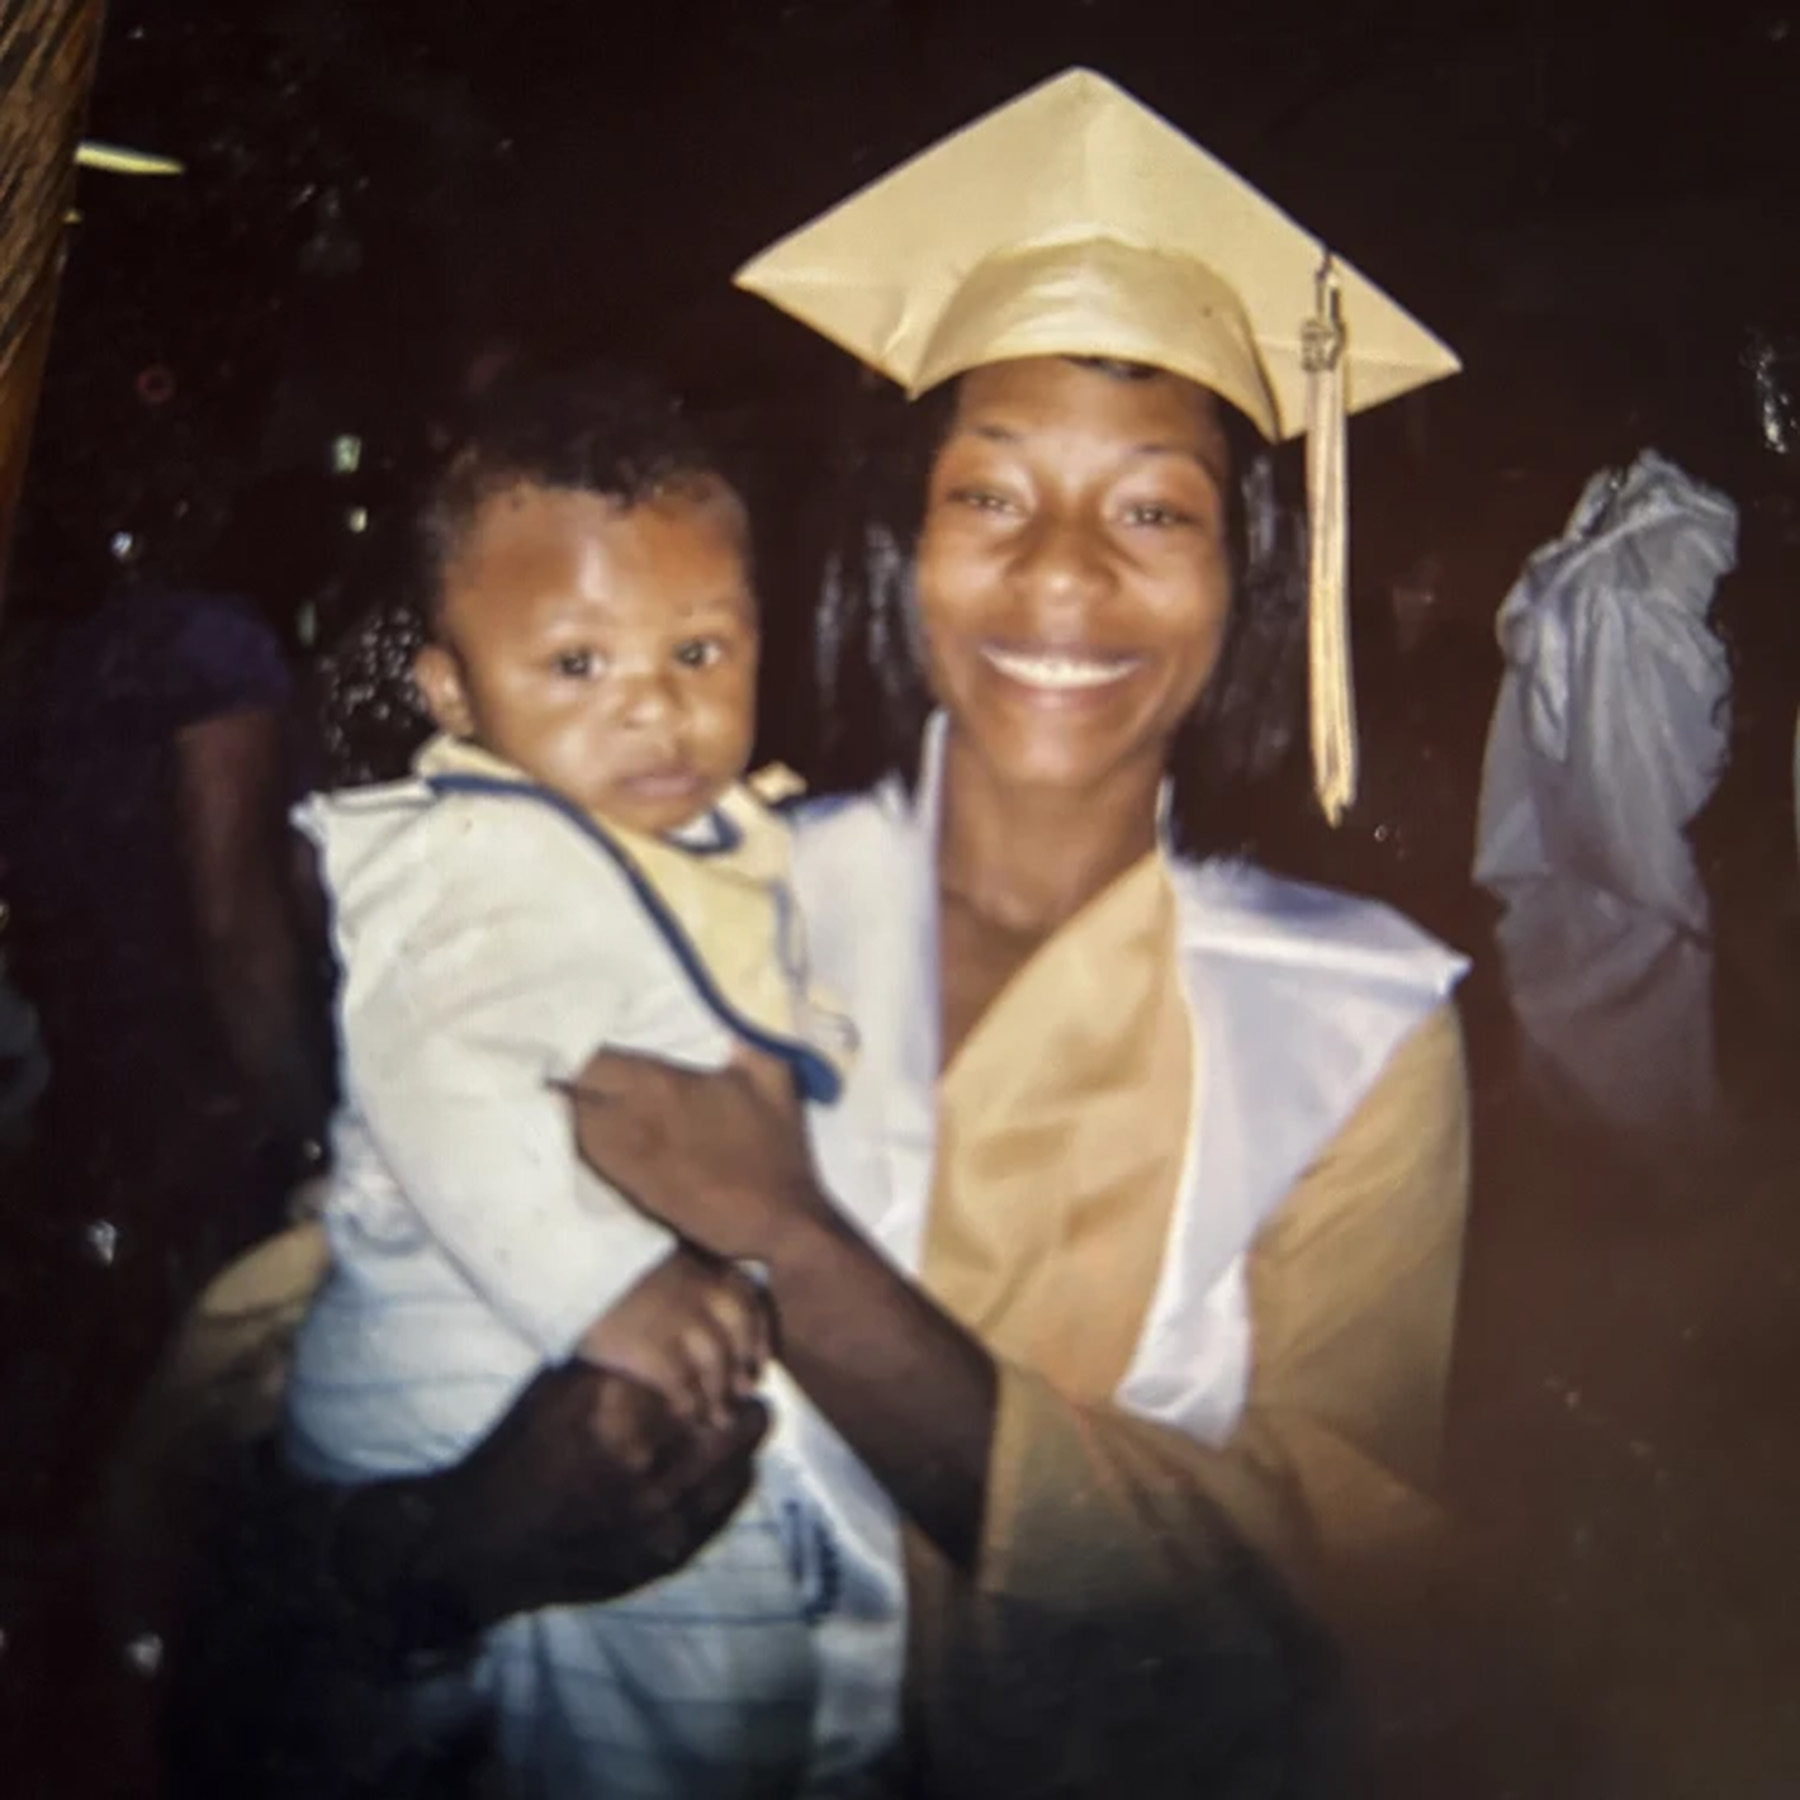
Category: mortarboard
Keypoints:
(1074, 221)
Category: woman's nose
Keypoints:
(1061, 566)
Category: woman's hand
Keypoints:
(587, 1489)
(721, 1159)
(318, 1608)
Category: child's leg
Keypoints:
(699, 1687)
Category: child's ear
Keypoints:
(440, 680)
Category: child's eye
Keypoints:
(699, 653)
(577, 664)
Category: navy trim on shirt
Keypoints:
(819, 1080)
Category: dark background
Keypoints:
(1591, 203)
(1594, 205)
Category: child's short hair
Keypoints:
(601, 432)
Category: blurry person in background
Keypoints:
(153, 742)
(159, 927)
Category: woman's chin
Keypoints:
(1046, 764)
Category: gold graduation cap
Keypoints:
(1074, 221)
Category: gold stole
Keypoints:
(1063, 1126)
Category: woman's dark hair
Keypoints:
(872, 700)
(591, 432)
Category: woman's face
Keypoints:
(1073, 575)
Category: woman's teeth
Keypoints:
(1061, 671)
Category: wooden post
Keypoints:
(47, 54)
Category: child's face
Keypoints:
(609, 655)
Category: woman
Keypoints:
(1173, 1269)
(1122, 1281)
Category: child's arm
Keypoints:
(693, 1329)
(453, 1035)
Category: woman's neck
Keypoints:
(1028, 859)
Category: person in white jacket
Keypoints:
(574, 863)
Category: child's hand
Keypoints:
(694, 1329)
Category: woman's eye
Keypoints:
(577, 664)
(699, 653)
(980, 500)
(1157, 513)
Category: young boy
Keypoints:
(575, 864)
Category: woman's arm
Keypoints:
(1353, 1290)
(911, 1391)
(1093, 1512)
(317, 1607)
(722, 1159)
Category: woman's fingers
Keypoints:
(605, 1076)
(769, 1077)
(645, 1436)
(686, 1480)
(632, 1083)
(640, 1432)
(672, 1373)
(703, 1460)
(720, 1158)
(703, 1486)
(588, 1488)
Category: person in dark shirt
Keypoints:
(160, 928)
(152, 751)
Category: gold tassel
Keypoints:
(1330, 679)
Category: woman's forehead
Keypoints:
(1042, 398)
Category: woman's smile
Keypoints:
(1057, 672)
